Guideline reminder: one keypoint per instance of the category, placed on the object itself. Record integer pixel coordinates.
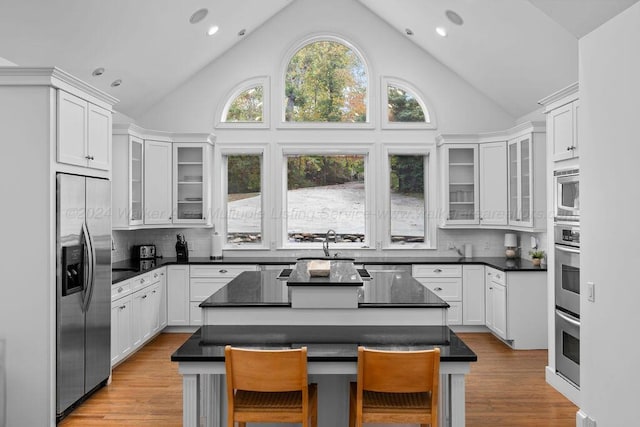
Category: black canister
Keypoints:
(182, 249)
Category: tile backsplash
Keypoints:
(485, 243)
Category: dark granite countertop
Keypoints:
(324, 343)
(131, 268)
(263, 289)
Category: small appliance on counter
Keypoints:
(182, 249)
(144, 252)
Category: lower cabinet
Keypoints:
(121, 333)
(136, 313)
(446, 282)
(473, 295)
(516, 309)
(206, 280)
(178, 295)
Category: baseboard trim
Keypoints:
(567, 389)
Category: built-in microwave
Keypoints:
(567, 195)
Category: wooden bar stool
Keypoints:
(395, 387)
(269, 386)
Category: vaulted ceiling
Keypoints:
(514, 51)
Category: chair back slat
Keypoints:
(398, 371)
(266, 370)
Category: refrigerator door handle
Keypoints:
(91, 268)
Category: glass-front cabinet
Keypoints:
(135, 183)
(461, 184)
(191, 187)
(521, 181)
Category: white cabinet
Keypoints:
(84, 133)
(127, 180)
(516, 308)
(178, 295)
(205, 280)
(162, 304)
(460, 183)
(121, 329)
(562, 124)
(494, 180)
(444, 280)
(191, 184)
(157, 182)
(493, 183)
(473, 295)
(562, 109)
(527, 185)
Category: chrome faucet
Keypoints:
(325, 244)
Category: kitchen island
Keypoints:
(332, 363)
(259, 297)
(393, 311)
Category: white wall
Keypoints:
(5, 62)
(459, 106)
(609, 155)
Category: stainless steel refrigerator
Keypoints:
(83, 288)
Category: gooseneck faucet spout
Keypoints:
(325, 244)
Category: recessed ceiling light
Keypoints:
(454, 17)
(116, 83)
(212, 30)
(442, 32)
(242, 32)
(98, 72)
(408, 31)
(198, 16)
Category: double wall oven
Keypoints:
(567, 292)
(567, 273)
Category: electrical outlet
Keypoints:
(591, 291)
(486, 246)
(450, 245)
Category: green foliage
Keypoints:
(325, 82)
(407, 174)
(243, 172)
(536, 254)
(403, 107)
(311, 171)
(247, 107)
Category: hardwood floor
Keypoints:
(505, 388)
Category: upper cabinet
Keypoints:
(84, 133)
(494, 180)
(562, 110)
(157, 183)
(160, 179)
(460, 183)
(191, 186)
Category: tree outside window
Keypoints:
(247, 107)
(326, 81)
(244, 198)
(403, 106)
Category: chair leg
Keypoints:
(242, 424)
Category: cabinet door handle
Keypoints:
(490, 288)
(437, 289)
(437, 270)
(223, 271)
(144, 296)
(569, 148)
(89, 157)
(122, 307)
(162, 274)
(153, 292)
(489, 273)
(169, 218)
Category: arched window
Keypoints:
(326, 81)
(403, 107)
(247, 105)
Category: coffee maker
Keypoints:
(182, 249)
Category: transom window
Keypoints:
(403, 107)
(326, 81)
(247, 106)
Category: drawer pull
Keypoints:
(141, 280)
(498, 276)
(144, 296)
(437, 270)
(120, 289)
(437, 289)
(223, 271)
(122, 307)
